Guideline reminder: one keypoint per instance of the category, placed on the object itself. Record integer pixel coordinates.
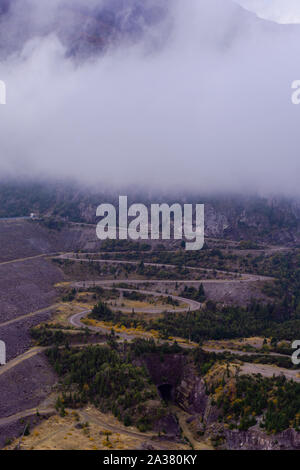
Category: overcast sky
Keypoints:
(208, 109)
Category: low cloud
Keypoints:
(201, 102)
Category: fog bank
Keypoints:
(202, 100)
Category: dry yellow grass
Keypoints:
(62, 313)
(59, 433)
(120, 328)
(62, 284)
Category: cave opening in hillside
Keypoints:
(166, 392)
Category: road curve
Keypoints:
(191, 304)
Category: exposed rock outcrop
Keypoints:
(190, 395)
(258, 440)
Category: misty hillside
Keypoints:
(275, 220)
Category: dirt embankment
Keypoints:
(17, 335)
(235, 293)
(257, 440)
(27, 286)
(14, 429)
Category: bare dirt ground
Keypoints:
(25, 385)
(234, 293)
(27, 286)
(21, 358)
(268, 371)
(103, 432)
(41, 311)
(16, 335)
(24, 238)
(16, 426)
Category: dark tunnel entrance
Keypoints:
(166, 392)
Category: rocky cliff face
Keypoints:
(253, 218)
(190, 395)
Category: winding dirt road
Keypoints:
(243, 277)
(190, 304)
(75, 320)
